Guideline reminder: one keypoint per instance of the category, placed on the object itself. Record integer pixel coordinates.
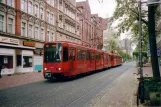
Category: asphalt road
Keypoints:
(72, 93)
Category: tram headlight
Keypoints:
(45, 69)
(59, 69)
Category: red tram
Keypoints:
(65, 59)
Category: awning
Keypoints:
(17, 46)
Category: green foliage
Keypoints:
(127, 13)
(111, 44)
(124, 55)
(136, 53)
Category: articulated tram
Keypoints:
(66, 59)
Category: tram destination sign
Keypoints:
(9, 40)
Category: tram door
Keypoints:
(72, 55)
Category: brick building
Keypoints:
(92, 26)
(25, 25)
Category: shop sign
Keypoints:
(29, 43)
(9, 40)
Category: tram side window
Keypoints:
(84, 55)
(88, 55)
(72, 54)
(79, 55)
(65, 54)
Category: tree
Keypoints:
(124, 55)
(111, 44)
(127, 13)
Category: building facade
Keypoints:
(25, 25)
(92, 26)
(68, 27)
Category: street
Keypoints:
(82, 91)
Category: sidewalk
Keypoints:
(20, 79)
(122, 91)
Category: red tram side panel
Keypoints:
(69, 59)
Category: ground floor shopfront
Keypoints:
(17, 58)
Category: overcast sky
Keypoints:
(104, 9)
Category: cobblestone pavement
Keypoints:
(112, 88)
(20, 79)
(78, 92)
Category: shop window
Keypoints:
(65, 54)
(7, 61)
(19, 61)
(27, 61)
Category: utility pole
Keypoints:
(152, 41)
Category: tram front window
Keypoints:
(53, 52)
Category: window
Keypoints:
(30, 30)
(19, 62)
(65, 54)
(10, 25)
(48, 1)
(23, 5)
(53, 52)
(42, 13)
(7, 61)
(52, 2)
(1, 22)
(2, 1)
(79, 55)
(23, 29)
(42, 34)
(92, 55)
(27, 61)
(48, 36)
(51, 18)
(72, 54)
(10, 2)
(30, 7)
(48, 17)
(51, 37)
(36, 33)
(36, 11)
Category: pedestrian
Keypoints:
(0, 69)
